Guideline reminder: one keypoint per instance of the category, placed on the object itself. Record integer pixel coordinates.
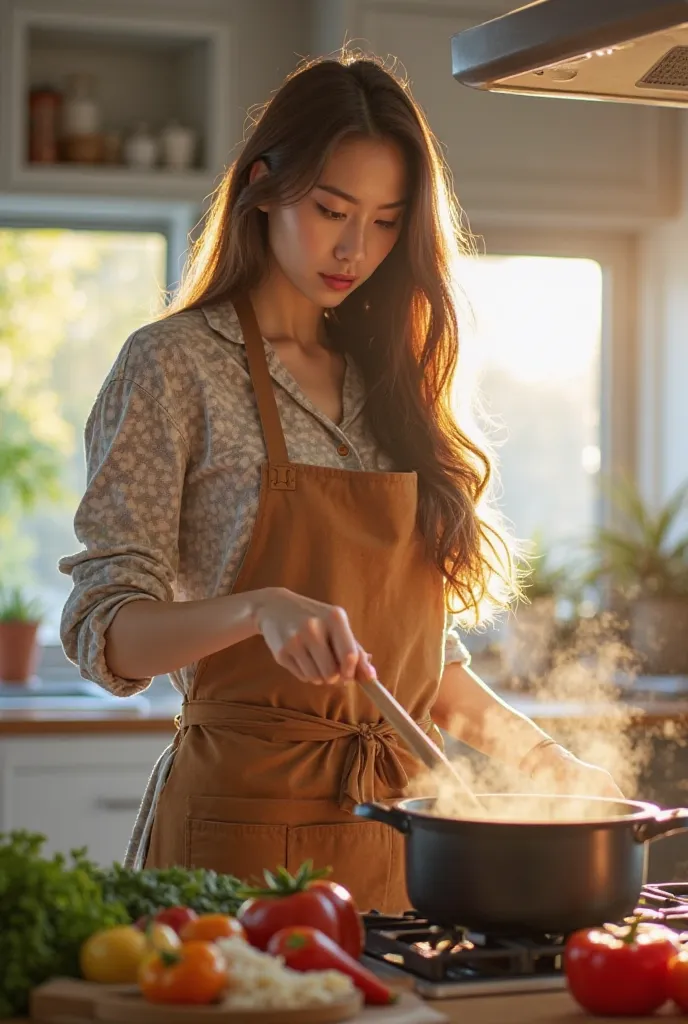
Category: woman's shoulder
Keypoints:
(177, 353)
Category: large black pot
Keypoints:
(529, 875)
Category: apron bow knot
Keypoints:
(372, 763)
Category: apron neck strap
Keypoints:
(262, 382)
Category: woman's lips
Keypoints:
(338, 284)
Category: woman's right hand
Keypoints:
(312, 640)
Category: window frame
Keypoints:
(175, 221)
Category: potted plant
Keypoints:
(644, 562)
(20, 618)
(531, 628)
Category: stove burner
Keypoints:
(456, 958)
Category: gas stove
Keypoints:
(443, 963)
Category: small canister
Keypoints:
(44, 124)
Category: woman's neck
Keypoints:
(284, 313)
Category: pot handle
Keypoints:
(391, 816)
(663, 824)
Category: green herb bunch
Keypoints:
(48, 908)
(144, 892)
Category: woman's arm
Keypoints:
(470, 711)
(149, 638)
(311, 639)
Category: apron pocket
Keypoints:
(364, 856)
(235, 848)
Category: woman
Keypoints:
(278, 497)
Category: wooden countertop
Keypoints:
(159, 717)
(33, 723)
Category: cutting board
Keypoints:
(70, 1001)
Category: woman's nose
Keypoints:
(351, 244)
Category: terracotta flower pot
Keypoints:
(658, 633)
(18, 651)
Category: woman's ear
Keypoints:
(259, 170)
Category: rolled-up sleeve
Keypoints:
(454, 650)
(127, 522)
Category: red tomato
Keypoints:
(678, 980)
(351, 933)
(262, 916)
(620, 970)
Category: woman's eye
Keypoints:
(389, 224)
(330, 214)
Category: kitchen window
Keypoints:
(68, 300)
(548, 347)
(532, 353)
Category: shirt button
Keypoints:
(343, 450)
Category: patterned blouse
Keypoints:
(174, 447)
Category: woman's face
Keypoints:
(334, 238)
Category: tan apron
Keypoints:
(267, 769)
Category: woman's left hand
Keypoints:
(559, 771)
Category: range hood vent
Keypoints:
(631, 51)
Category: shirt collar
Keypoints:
(222, 318)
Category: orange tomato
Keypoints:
(678, 980)
(196, 973)
(211, 927)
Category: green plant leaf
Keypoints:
(669, 513)
(636, 553)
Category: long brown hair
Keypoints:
(400, 325)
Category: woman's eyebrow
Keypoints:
(333, 190)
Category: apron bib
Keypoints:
(267, 769)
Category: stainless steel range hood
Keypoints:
(632, 51)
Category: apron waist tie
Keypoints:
(373, 753)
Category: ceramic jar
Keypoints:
(178, 145)
(141, 148)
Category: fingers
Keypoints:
(321, 653)
(311, 655)
(343, 643)
(365, 670)
(307, 667)
(318, 646)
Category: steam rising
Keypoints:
(595, 670)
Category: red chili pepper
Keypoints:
(307, 949)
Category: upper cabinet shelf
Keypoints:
(121, 90)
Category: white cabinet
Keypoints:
(76, 791)
(144, 70)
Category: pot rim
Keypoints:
(645, 811)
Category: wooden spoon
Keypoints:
(418, 742)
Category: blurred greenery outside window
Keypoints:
(68, 301)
